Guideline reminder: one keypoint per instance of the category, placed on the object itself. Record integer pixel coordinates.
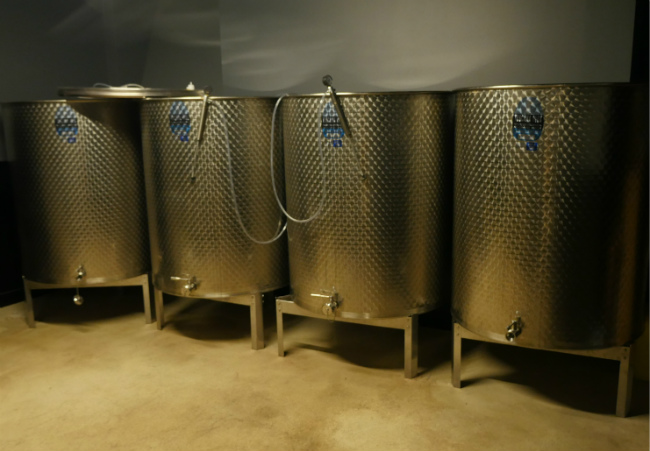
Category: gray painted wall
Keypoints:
(184, 44)
(50, 43)
(383, 45)
(45, 44)
(276, 46)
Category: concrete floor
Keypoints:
(96, 377)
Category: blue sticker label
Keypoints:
(528, 120)
(179, 121)
(331, 125)
(66, 125)
(531, 145)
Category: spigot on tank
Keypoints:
(81, 273)
(333, 302)
(191, 283)
(514, 329)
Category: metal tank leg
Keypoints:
(160, 314)
(257, 322)
(147, 299)
(254, 302)
(457, 354)
(411, 347)
(409, 324)
(621, 354)
(625, 380)
(280, 326)
(141, 280)
(29, 304)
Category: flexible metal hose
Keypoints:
(322, 165)
(282, 228)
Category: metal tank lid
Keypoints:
(130, 91)
(550, 85)
(198, 96)
(71, 100)
(379, 93)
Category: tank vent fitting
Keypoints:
(514, 329)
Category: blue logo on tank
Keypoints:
(179, 120)
(331, 125)
(66, 125)
(531, 145)
(528, 120)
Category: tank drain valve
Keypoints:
(81, 272)
(191, 283)
(77, 298)
(514, 329)
(329, 308)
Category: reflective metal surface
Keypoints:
(124, 92)
(80, 190)
(198, 247)
(550, 224)
(380, 247)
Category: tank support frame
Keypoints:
(409, 324)
(622, 354)
(141, 280)
(254, 301)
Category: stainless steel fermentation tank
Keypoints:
(378, 251)
(194, 149)
(79, 186)
(550, 225)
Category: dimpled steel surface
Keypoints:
(193, 224)
(557, 236)
(383, 244)
(82, 202)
